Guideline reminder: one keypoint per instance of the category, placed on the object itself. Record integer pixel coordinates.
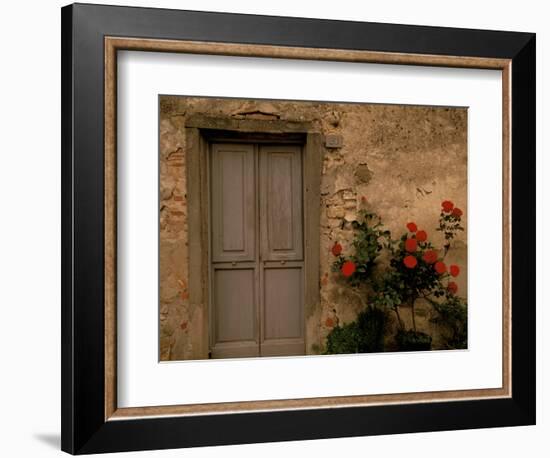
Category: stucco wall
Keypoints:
(399, 161)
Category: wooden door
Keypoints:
(281, 250)
(257, 250)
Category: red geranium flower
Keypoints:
(457, 212)
(430, 256)
(440, 267)
(452, 287)
(410, 261)
(447, 206)
(410, 245)
(336, 249)
(412, 227)
(421, 236)
(348, 268)
(454, 270)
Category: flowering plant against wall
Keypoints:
(370, 239)
(417, 270)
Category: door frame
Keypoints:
(200, 130)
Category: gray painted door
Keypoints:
(257, 250)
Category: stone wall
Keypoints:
(398, 161)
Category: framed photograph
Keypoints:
(284, 228)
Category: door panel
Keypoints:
(234, 299)
(282, 303)
(233, 202)
(281, 202)
(235, 313)
(234, 303)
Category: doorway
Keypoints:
(256, 260)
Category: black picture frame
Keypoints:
(84, 429)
